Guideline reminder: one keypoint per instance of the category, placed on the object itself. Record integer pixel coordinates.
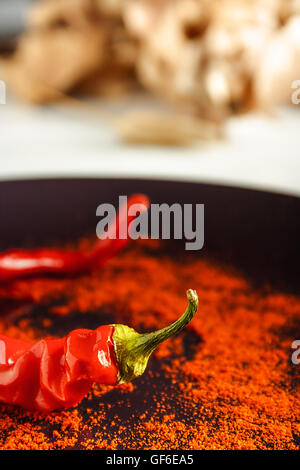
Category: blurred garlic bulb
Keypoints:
(209, 57)
(216, 57)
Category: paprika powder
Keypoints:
(226, 382)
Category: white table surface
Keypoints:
(258, 151)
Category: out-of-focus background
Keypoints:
(200, 90)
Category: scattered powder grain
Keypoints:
(227, 382)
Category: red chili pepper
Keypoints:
(58, 373)
(20, 263)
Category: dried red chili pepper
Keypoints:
(20, 263)
(58, 373)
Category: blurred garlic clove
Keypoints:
(278, 66)
(140, 16)
(164, 129)
(222, 42)
(69, 41)
(53, 61)
(216, 85)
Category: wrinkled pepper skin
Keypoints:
(15, 264)
(56, 373)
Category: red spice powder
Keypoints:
(226, 382)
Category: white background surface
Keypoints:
(258, 151)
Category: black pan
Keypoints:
(256, 231)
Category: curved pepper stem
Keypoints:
(134, 349)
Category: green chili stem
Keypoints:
(133, 349)
(149, 341)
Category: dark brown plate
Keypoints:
(258, 232)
